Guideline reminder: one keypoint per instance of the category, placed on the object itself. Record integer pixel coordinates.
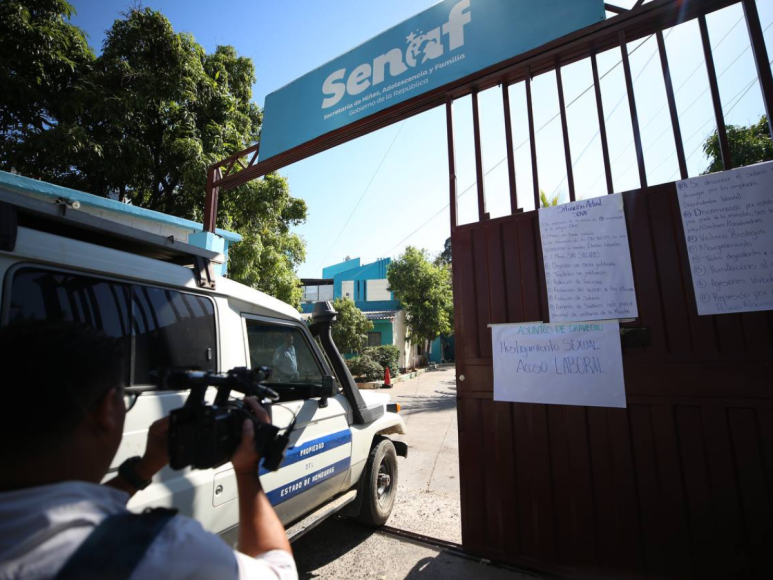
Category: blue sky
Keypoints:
(374, 196)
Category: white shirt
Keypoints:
(285, 361)
(41, 527)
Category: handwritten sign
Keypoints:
(559, 364)
(587, 260)
(728, 223)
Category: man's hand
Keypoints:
(156, 450)
(245, 460)
(155, 459)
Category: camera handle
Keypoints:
(267, 438)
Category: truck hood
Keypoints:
(373, 398)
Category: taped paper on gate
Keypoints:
(578, 363)
(728, 226)
(587, 260)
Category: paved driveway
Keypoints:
(428, 488)
(427, 503)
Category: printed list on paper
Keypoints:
(728, 224)
(587, 260)
(559, 364)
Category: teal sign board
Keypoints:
(447, 42)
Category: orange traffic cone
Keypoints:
(387, 379)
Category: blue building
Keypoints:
(367, 285)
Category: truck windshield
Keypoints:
(285, 351)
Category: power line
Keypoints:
(742, 95)
(489, 171)
(609, 116)
(612, 112)
(363, 193)
(670, 154)
(498, 163)
(725, 70)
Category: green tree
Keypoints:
(444, 257)
(42, 58)
(545, 202)
(748, 145)
(350, 330)
(146, 119)
(425, 291)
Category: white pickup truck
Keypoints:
(160, 296)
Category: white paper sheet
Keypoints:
(559, 364)
(587, 260)
(728, 223)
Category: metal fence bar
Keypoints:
(452, 191)
(482, 215)
(760, 57)
(632, 106)
(510, 152)
(565, 130)
(210, 201)
(724, 145)
(532, 139)
(602, 124)
(672, 106)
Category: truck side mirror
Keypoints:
(328, 389)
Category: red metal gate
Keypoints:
(679, 484)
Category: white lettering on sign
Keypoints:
(322, 474)
(311, 449)
(587, 260)
(559, 364)
(421, 47)
(728, 225)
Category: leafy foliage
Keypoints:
(748, 145)
(365, 368)
(143, 121)
(350, 330)
(386, 355)
(42, 58)
(545, 202)
(444, 257)
(424, 289)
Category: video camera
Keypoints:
(204, 436)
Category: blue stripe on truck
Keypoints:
(314, 447)
(290, 490)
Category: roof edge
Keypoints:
(21, 184)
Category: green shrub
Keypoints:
(365, 368)
(387, 356)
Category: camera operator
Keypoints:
(61, 422)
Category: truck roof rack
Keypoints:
(60, 219)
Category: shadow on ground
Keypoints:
(327, 543)
(341, 548)
(440, 401)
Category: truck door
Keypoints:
(317, 463)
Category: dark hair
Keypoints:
(53, 373)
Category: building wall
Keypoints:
(331, 271)
(436, 354)
(385, 328)
(399, 337)
(355, 282)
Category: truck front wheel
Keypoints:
(380, 484)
